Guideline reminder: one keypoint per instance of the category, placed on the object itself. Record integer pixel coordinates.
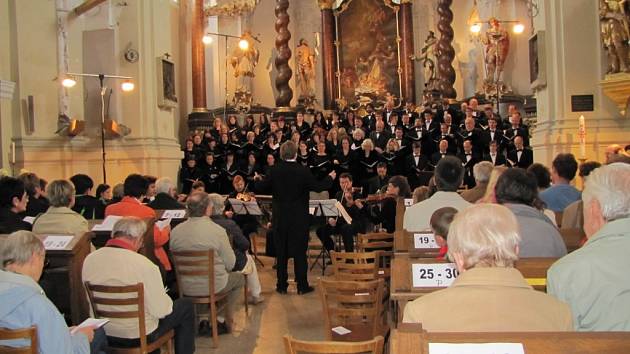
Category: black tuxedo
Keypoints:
(526, 160)
(290, 183)
(452, 142)
(369, 122)
(165, 202)
(381, 140)
(414, 170)
(469, 178)
(498, 160)
(487, 136)
(432, 127)
(521, 131)
(474, 136)
(437, 156)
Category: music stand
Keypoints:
(247, 208)
(325, 208)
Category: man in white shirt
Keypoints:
(449, 174)
(119, 263)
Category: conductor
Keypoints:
(289, 184)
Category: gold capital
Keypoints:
(406, 1)
(325, 4)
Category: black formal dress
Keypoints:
(290, 183)
(87, 206)
(164, 201)
(11, 222)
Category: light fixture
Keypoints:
(206, 39)
(127, 86)
(518, 28)
(243, 44)
(68, 82)
(475, 28)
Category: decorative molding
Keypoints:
(233, 8)
(617, 88)
(6, 89)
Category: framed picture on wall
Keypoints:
(167, 97)
(537, 67)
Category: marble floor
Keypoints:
(262, 329)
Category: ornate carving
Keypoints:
(233, 8)
(285, 93)
(614, 17)
(446, 53)
(326, 4)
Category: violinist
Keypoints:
(386, 214)
(375, 184)
(247, 223)
(355, 208)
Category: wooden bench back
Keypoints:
(411, 339)
(194, 264)
(294, 346)
(355, 266)
(29, 334)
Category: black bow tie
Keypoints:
(468, 154)
(519, 150)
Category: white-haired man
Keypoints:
(165, 195)
(489, 295)
(594, 280)
(481, 171)
(119, 263)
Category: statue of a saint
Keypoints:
(244, 61)
(615, 33)
(305, 57)
(496, 43)
(428, 58)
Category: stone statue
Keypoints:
(428, 59)
(305, 57)
(496, 43)
(615, 32)
(244, 61)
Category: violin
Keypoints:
(377, 198)
(245, 196)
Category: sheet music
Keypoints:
(54, 242)
(174, 214)
(29, 219)
(343, 212)
(245, 208)
(324, 207)
(107, 224)
(90, 322)
(476, 348)
(162, 224)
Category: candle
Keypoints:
(13, 152)
(582, 136)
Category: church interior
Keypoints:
(166, 88)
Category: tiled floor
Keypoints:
(261, 331)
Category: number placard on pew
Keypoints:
(433, 275)
(424, 240)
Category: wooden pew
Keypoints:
(148, 250)
(534, 270)
(404, 243)
(64, 271)
(572, 238)
(411, 339)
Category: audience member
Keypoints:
(13, 201)
(448, 177)
(165, 197)
(200, 233)
(84, 203)
(573, 215)
(118, 192)
(60, 218)
(440, 223)
(594, 280)
(240, 244)
(37, 202)
(611, 150)
(490, 196)
(119, 264)
(489, 295)
(23, 303)
(561, 193)
(419, 194)
(104, 196)
(481, 171)
(517, 190)
(542, 174)
(135, 190)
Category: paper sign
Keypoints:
(57, 242)
(476, 348)
(341, 330)
(311, 211)
(174, 214)
(433, 275)
(29, 219)
(408, 202)
(108, 223)
(90, 322)
(427, 240)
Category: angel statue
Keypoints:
(305, 58)
(244, 61)
(428, 58)
(496, 43)
(615, 32)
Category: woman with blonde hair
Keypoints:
(489, 196)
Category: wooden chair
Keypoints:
(355, 305)
(382, 242)
(22, 333)
(294, 346)
(200, 264)
(558, 218)
(121, 296)
(355, 266)
(572, 238)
